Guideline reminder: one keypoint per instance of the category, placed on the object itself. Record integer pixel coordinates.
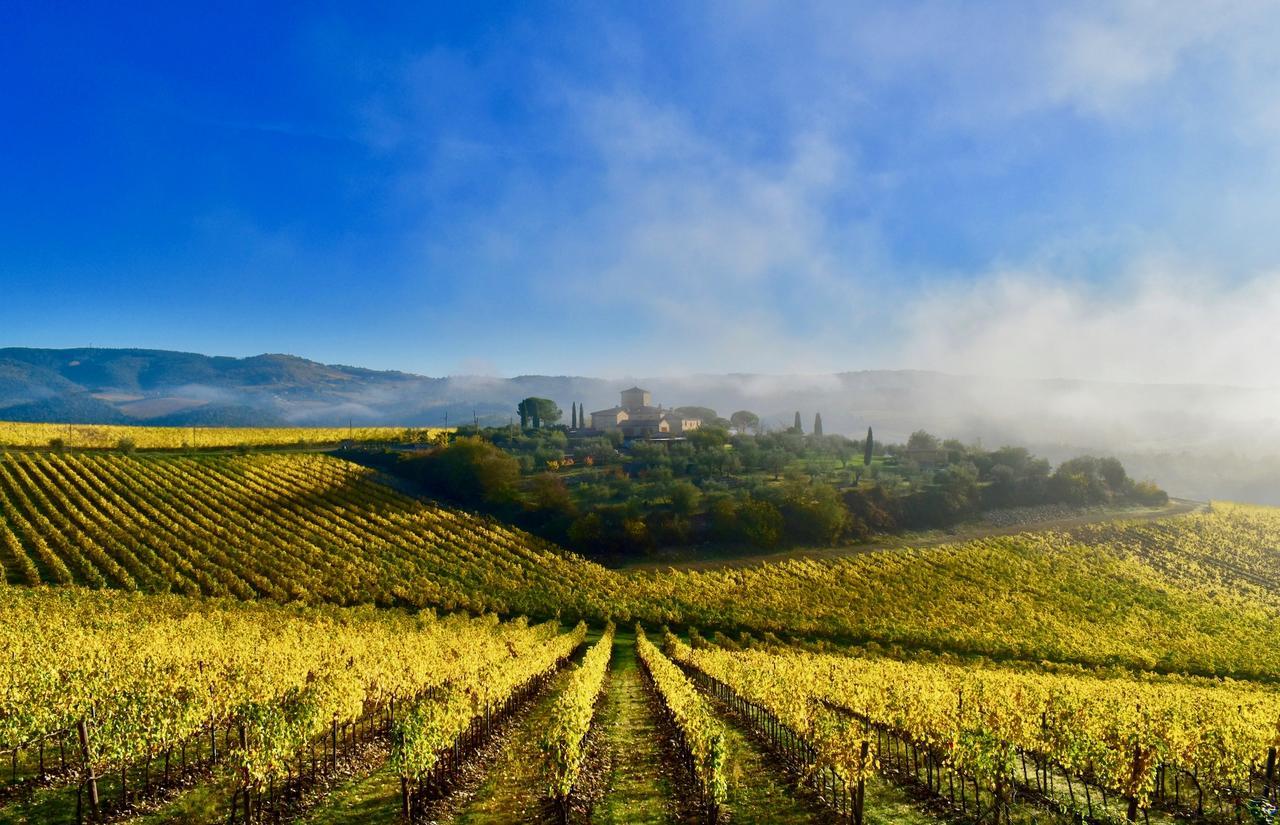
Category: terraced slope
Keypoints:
(287, 527)
(1195, 593)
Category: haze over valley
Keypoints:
(1200, 441)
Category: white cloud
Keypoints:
(1159, 324)
(705, 250)
(737, 257)
(1100, 58)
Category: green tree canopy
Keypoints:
(538, 411)
(812, 512)
(744, 420)
(922, 440)
(705, 438)
(470, 470)
(685, 498)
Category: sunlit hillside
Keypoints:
(1193, 593)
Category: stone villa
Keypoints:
(636, 417)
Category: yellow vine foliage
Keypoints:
(563, 740)
(150, 672)
(432, 725)
(109, 436)
(703, 735)
(1116, 731)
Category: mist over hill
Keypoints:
(1198, 441)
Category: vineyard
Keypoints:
(295, 527)
(120, 685)
(281, 637)
(124, 705)
(1194, 594)
(1191, 750)
(17, 434)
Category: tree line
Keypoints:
(719, 486)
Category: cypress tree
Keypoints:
(573, 415)
(866, 450)
(797, 426)
(524, 416)
(817, 424)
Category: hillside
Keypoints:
(302, 527)
(318, 529)
(1197, 441)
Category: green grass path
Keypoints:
(759, 790)
(512, 787)
(510, 790)
(762, 791)
(638, 788)
(887, 804)
(373, 799)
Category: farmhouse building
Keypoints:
(636, 417)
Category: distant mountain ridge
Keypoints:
(162, 387)
(1177, 424)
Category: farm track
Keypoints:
(511, 790)
(641, 785)
(760, 789)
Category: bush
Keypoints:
(469, 471)
(1146, 492)
(812, 513)
(685, 498)
(759, 523)
(871, 510)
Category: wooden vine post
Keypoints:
(859, 793)
(90, 778)
(1132, 813)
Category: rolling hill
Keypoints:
(1199, 442)
(1190, 594)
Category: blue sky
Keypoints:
(1083, 189)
